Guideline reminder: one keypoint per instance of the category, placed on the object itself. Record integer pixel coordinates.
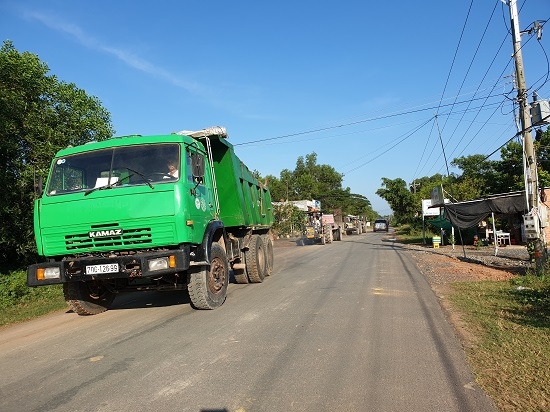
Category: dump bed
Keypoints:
(244, 201)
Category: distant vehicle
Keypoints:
(381, 225)
(320, 228)
(353, 224)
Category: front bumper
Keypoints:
(130, 266)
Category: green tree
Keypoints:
(311, 180)
(400, 199)
(288, 219)
(509, 170)
(478, 177)
(542, 147)
(38, 116)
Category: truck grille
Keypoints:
(82, 241)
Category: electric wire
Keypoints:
(547, 62)
(456, 53)
(485, 123)
(468, 72)
(386, 151)
(485, 75)
(390, 115)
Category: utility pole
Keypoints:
(414, 185)
(529, 150)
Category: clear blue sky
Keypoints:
(357, 83)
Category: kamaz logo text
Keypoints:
(105, 233)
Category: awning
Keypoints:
(468, 214)
(440, 223)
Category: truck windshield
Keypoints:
(115, 167)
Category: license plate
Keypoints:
(98, 269)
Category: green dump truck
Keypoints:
(165, 212)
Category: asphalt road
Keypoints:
(349, 326)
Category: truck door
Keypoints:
(199, 182)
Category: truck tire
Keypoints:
(88, 298)
(240, 276)
(327, 234)
(208, 284)
(255, 260)
(269, 258)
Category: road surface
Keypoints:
(349, 326)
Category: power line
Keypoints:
(456, 53)
(521, 132)
(322, 129)
(468, 71)
(484, 76)
(386, 151)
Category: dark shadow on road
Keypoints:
(150, 299)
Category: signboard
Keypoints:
(426, 211)
(426, 203)
(437, 195)
(304, 205)
(328, 219)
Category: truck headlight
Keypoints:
(158, 264)
(48, 273)
(162, 263)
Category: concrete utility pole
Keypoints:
(525, 119)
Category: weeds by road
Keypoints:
(502, 313)
(18, 302)
(510, 353)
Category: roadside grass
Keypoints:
(19, 303)
(510, 353)
(410, 235)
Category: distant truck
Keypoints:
(330, 223)
(319, 227)
(163, 212)
(353, 225)
(314, 229)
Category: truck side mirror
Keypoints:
(38, 187)
(197, 164)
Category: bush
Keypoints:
(14, 290)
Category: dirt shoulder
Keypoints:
(444, 266)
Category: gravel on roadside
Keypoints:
(447, 264)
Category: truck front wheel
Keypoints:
(88, 298)
(208, 284)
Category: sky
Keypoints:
(388, 90)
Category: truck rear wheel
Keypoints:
(327, 234)
(208, 284)
(88, 298)
(255, 260)
(240, 275)
(268, 244)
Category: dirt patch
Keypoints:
(444, 266)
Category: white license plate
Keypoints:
(98, 269)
